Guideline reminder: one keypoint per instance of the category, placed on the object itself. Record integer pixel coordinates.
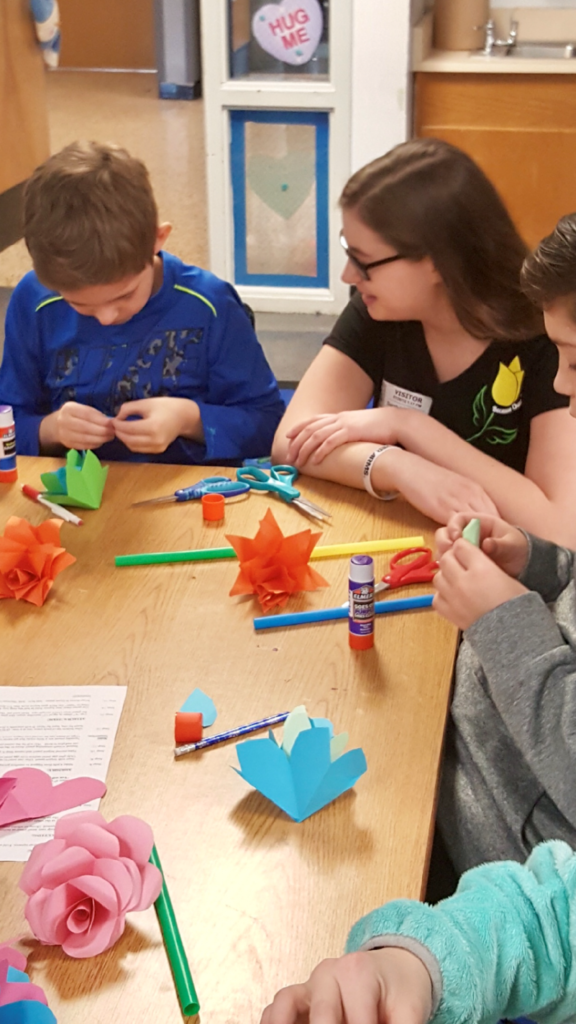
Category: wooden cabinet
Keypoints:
(521, 129)
(23, 112)
(107, 34)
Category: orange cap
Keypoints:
(188, 726)
(213, 506)
(361, 643)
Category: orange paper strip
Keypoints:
(188, 726)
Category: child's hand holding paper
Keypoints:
(74, 425)
(469, 584)
(151, 424)
(504, 544)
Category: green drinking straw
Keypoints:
(158, 557)
(174, 948)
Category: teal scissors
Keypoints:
(279, 480)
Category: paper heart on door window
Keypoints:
(284, 182)
(289, 31)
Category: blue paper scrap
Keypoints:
(200, 702)
(307, 771)
(24, 1011)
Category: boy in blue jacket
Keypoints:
(112, 343)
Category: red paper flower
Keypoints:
(30, 559)
(273, 566)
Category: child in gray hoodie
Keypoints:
(505, 944)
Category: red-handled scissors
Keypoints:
(420, 569)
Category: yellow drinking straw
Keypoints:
(325, 551)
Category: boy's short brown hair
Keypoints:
(89, 217)
(549, 273)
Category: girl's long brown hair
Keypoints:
(428, 198)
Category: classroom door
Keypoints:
(107, 34)
(277, 84)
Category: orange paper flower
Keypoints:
(30, 559)
(273, 566)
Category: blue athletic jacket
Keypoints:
(193, 339)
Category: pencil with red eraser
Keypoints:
(57, 510)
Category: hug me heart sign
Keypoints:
(289, 31)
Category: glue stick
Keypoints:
(8, 470)
(361, 602)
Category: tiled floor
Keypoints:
(169, 136)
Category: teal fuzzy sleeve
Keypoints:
(505, 943)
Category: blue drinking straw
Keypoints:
(402, 604)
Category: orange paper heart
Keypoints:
(30, 559)
(273, 566)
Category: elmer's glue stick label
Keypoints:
(8, 470)
(361, 602)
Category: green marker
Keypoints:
(471, 532)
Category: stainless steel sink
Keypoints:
(543, 51)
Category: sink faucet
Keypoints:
(491, 42)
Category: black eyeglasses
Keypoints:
(363, 268)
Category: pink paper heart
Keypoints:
(5, 786)
(33, 795)
(289, 31)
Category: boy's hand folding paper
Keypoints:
(273, 566)
(80, 482)
(81, 884)
(20, 1001)
(307, 771)
(30, 559)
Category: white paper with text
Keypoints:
(67, 731)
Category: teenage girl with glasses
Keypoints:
(438, 332)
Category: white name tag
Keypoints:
(391, 394)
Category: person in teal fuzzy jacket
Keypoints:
(503, 946)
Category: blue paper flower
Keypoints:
(307, 771)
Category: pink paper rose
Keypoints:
(82, 883)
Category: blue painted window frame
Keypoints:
(238, 120)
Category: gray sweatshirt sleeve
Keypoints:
(549, 568)
(530, 670)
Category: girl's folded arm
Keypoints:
(542, 501)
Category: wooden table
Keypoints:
(259, 899)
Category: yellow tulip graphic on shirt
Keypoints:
(505, 392)
(508, 384)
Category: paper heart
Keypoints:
(283, 183)
(289, 31)
(35, 796)
(5, 786)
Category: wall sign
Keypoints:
(289, 31)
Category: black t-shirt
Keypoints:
(490, 404)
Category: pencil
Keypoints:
(242, 730)
(174, 947)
